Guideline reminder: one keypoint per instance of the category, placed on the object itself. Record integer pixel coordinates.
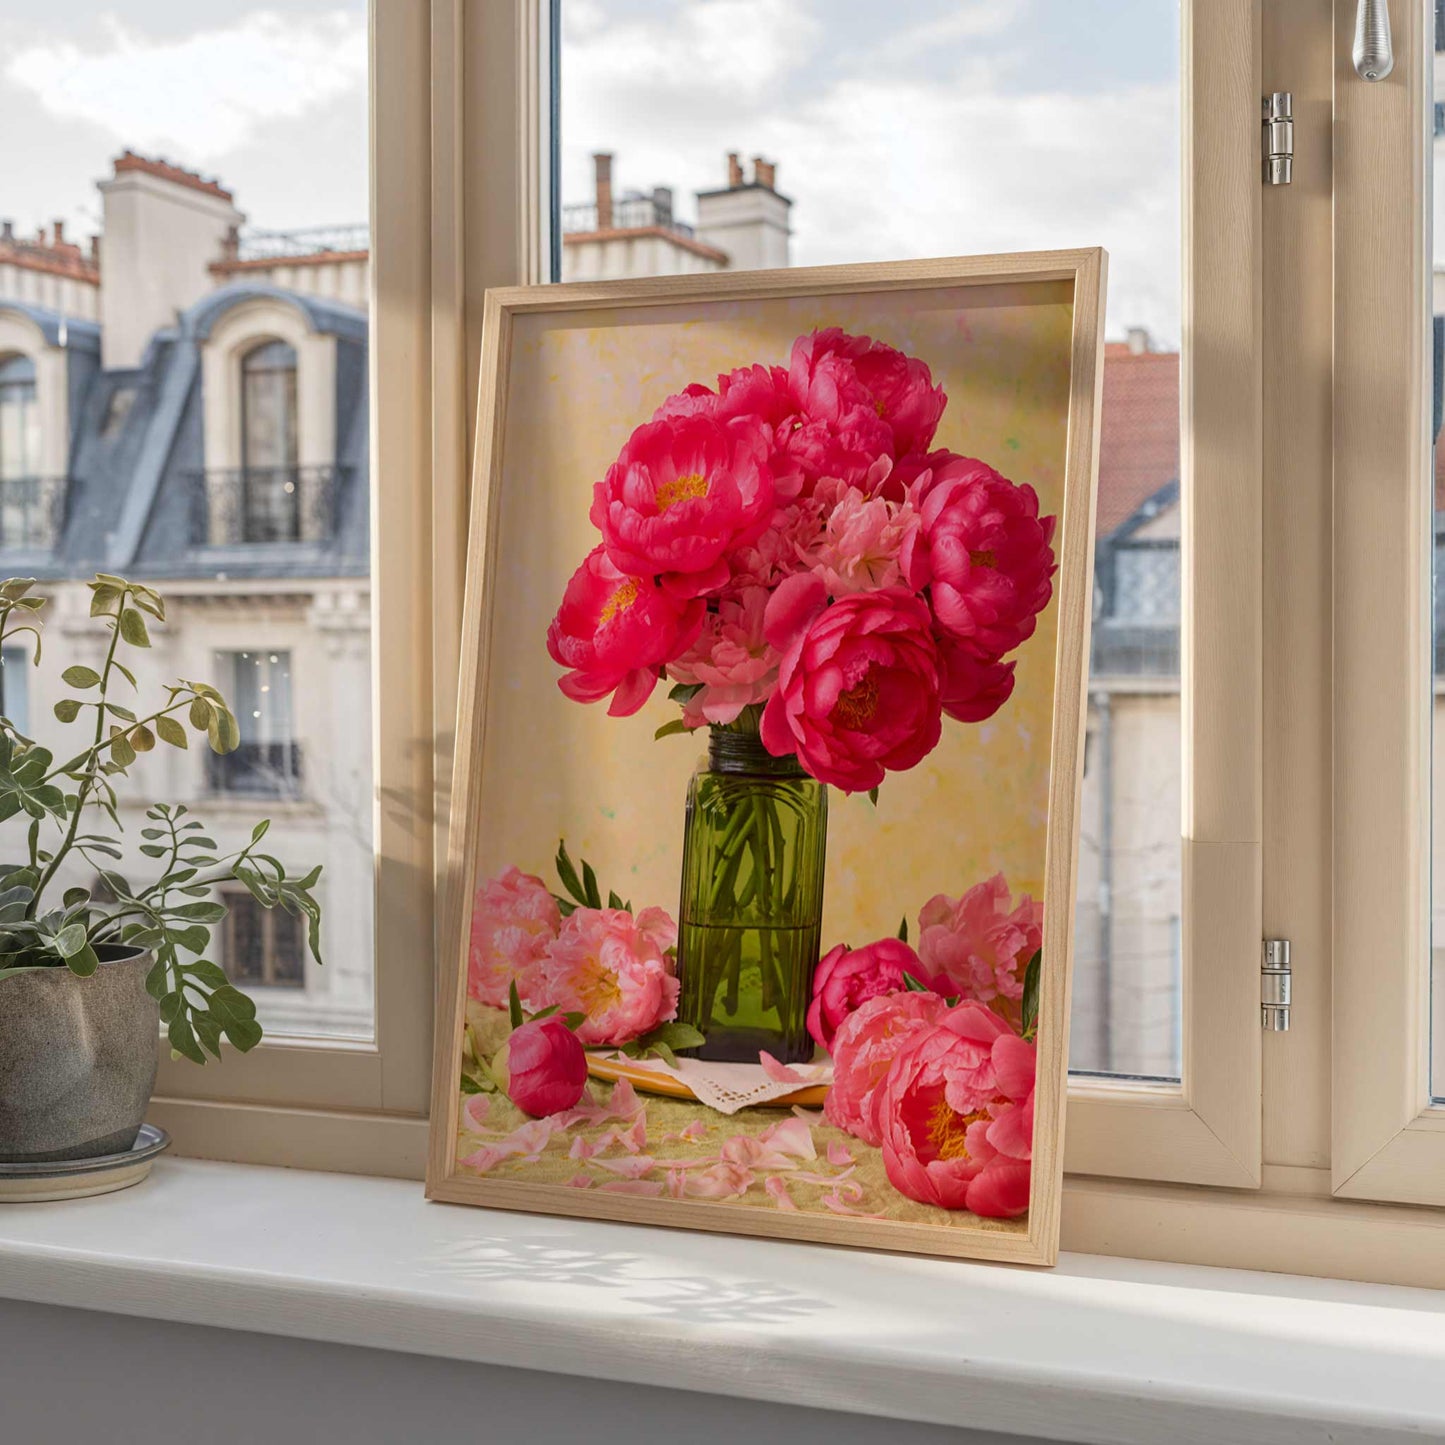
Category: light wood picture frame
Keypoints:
(568, 373)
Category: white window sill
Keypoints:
(1096, 1350)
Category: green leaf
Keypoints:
(873, 796)
(589, 884)
(79, 676)
(236, 1015)
(170, 731)
(259, 832)
(102, 598)
(613, 901)
(121, 752)
(195, 939)
(70, 940)
(123, 713)
(200, 714)
(156, 979)
(142, 739)
(671, 729)
(210, 974)
(568, 874)
(133, 629)
(183, 1039)
(74, 897)
(83, 962)
(1030, 1004)
(913, 985)
(67, 709)
(684, 691)
(674, 1035)
(903, 929)
(514, 1006)
(574, 1021)
(201, 912)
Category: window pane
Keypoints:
(696, 138)
(202, 311)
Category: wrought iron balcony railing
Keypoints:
(243, 505)
(256, 770)
(32, 511)
(627, 215)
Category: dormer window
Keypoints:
(26, 511)
(270, 476)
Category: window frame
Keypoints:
(1388, 1137)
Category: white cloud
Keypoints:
(201, 95)
(882, 162)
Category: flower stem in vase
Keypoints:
(752, 895)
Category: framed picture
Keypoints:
(764, 826)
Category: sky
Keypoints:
(913, 128)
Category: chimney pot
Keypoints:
(602, 174)
(1138, 340)
(764, 172)
(60, 233)
(735, 171)
(7, 231)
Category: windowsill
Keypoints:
(1098, 1349)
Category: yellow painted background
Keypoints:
(553, 768)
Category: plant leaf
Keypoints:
(589, 885)
(903, 929)
(79, 676)
(514, 1006)
(68, 709)
(1030, 1003)
(568, 874)
(133, 629)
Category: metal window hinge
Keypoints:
(1274, 981)
(1278, 138)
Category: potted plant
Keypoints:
(89, 973)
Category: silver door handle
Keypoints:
(1374, 52)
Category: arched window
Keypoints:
(24, 520)
(270, 495)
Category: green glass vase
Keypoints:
(752, 901)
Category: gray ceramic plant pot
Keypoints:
(77, 1059)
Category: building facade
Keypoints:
(189, 409)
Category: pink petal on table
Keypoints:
(623, 1104)
(632, 1186)
(820, 1179)
(838, 1154)
(779, 1192)
(580, 1181)
(527, 1140)
(475, 1110)
(690, 1135)
(790, 1136)
(779, 1072)
(833, 1202)
(721, 1180)
(630, 1166)
(808, 1116)
(634, 1137)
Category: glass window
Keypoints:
(822, 135)
(24, 520)
(15, 686)
(263, 947)
(233, 203)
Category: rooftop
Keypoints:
(129, 160)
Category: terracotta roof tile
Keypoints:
(130, 160)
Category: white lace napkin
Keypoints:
(726, 1088)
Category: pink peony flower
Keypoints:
(684, 492)
(615, 970)
(936, 1106)
(542, 1067)
(858, 689)
(973, 688)
(864, 541)
(846, 978)
(614, 632)
(981, 944)
(864, 1045)
(837, 430)
(984, 553)
(514, 918)
(901, 386)
(731, 659)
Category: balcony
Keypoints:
(630, 213)
(247, 505)
(256, 770)
(32, 511)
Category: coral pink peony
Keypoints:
(981, 944)
(846, 978)
(858, 690)
(542, 1068)
(936, 1106)
(514, 918)
(865, 1044)
(837, 430)
(684, 492)
(614, 632)
(901, 386)
(615, 970)
(984, 553)
(731, 660)
(864, 542)
(974, 688)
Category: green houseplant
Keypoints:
(88, 973)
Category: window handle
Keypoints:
(1374, 52)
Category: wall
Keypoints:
(76, 1374)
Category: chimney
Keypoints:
(602, 172)
(1138, 340)
(60, 233)
(162, 228)
(662, 205)
(7, 232)
(749, 222)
